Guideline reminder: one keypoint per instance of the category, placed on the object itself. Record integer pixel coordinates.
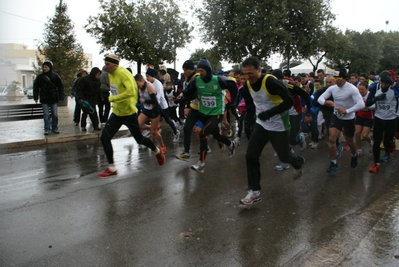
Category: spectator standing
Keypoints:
(78, 110)
(49, 89)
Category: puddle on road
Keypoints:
(371, 239)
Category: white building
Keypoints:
(16, 64)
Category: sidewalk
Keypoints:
(18, 134)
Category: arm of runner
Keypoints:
(359, 103)
(276, 87)
(323, 99)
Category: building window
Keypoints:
(23, 80)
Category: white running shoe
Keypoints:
(176, 137)
(281, 166)
(251, 198)
(199, 167)
(232, 149)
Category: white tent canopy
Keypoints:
(306, 67)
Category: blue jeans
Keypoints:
(54, 116)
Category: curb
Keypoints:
(58, 139)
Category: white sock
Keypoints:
(112, 169)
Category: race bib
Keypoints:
(339, 115)
(209, 101)
(114, 89)
(383, 106)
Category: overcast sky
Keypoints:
(22, 21)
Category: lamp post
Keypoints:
(386, 22)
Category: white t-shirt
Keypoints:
(160, 95)
(347, 97)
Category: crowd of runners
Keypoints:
(268, 106)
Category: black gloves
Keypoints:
(379, 97)
(263, 116)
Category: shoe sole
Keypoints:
(285, 168)
(187, 159)
(200, 171)
(257, 200)
(105, 177)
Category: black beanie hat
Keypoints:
(287, 73)
(151, 72)
(113, 59)
(340, 72)
(386, 79)
(278, 73)
(48, 63)
(189, 64)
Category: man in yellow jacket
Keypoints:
(124, 96)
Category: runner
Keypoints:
(272, 101)
(124, 98)
(347, 100)
(151, 111)
(210, 91)
(190, 74)
(364, 121)
(386, 112)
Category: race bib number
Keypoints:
(384, 106)
(339, 115)
(114, 89)
(208, 101)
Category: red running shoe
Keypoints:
(374, 168)
(107, 173)
(160, 156)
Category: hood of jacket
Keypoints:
(204, 64)
(94, 71)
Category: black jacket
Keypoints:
(88, 87)
(48, 88)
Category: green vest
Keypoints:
(210, 97)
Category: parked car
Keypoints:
(29, 94)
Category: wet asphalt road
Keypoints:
(55, 212)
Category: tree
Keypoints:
(211, 55)
(390, 51)
(141, 31)
(330, 45)
(240, 28)
(363, 52)
(60, 46)
(304, 22)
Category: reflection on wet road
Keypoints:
(55, 212)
